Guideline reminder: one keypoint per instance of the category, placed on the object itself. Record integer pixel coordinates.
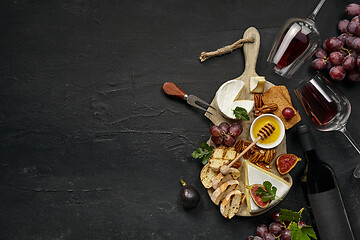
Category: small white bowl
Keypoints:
(280, 138)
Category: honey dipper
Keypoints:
(263, 133)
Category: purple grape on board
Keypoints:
(318, 64)
(342, 37)
(275, 228)
(269, 236)
(352, 26)
(224, 127)
(275, 216)
(286, 234)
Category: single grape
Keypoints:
(250, 238)
(215, 131)
(262, 229)
(229, 140)
(333, 44)
(337, 73)
(318, 64)
(356, 44)
(286, 234)
(355, 54)
(357, 31)
(217, 140)
(224, 127)
(356, 19)
(342, 25)
(348, 63)
(301, 224)
(275, 216)
(336, 58)
(354, 75)
(349, 41)
(288, 113)
(320, 53)
(352, 26)
(352, 9)
(269, 236)
(235, 129)
(275, 228)
(358, 62)
(342, 37)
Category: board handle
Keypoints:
(251, 50)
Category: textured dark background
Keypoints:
(90, 146)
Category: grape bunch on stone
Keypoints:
(340, 56)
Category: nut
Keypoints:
(258, 101)
(238, 146)
(264, 166)
(267, 108)
(248, 153)
(236, 164)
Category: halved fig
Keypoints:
(257, 199)
(286, 162)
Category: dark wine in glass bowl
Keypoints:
(327, 107)
(321, 108)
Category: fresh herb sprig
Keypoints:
(267, 194)
(204, 152)
(297, 233)
(241, 113)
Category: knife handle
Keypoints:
(172, 89)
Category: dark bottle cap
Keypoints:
(306, 138)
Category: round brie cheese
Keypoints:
(226, 95)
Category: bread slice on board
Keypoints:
(224, 189)
(220, 179)
(221, 156)
(231, 203)
(207, 176)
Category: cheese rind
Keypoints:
(225, 98)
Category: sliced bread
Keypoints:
(231, 203)
(207, 176)
(220, 179)
(221, 156)
(224, 189)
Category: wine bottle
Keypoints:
(322, 193)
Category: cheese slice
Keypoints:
(226, 95)
(257, 84)
(257, 175)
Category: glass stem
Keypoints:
(316, 10)
(351, 140)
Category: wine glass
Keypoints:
(327, 107)
(296, 43)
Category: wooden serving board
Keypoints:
(251, 51)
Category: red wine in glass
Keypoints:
(294, 48)
(320, 106)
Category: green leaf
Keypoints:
(288, 215)
(302, 233)
(204, 152)
(268, 194)
(241, 113)
(195, 154)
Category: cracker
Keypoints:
(280, 95)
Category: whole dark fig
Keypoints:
(189, 196)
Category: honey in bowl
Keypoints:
(262, 121)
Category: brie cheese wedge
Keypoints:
(257, 175)
(226, 96)
(257, 84)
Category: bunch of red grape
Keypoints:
(276, 230)
(341, 55)
(225, 133)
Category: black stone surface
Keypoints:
(90, 146)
